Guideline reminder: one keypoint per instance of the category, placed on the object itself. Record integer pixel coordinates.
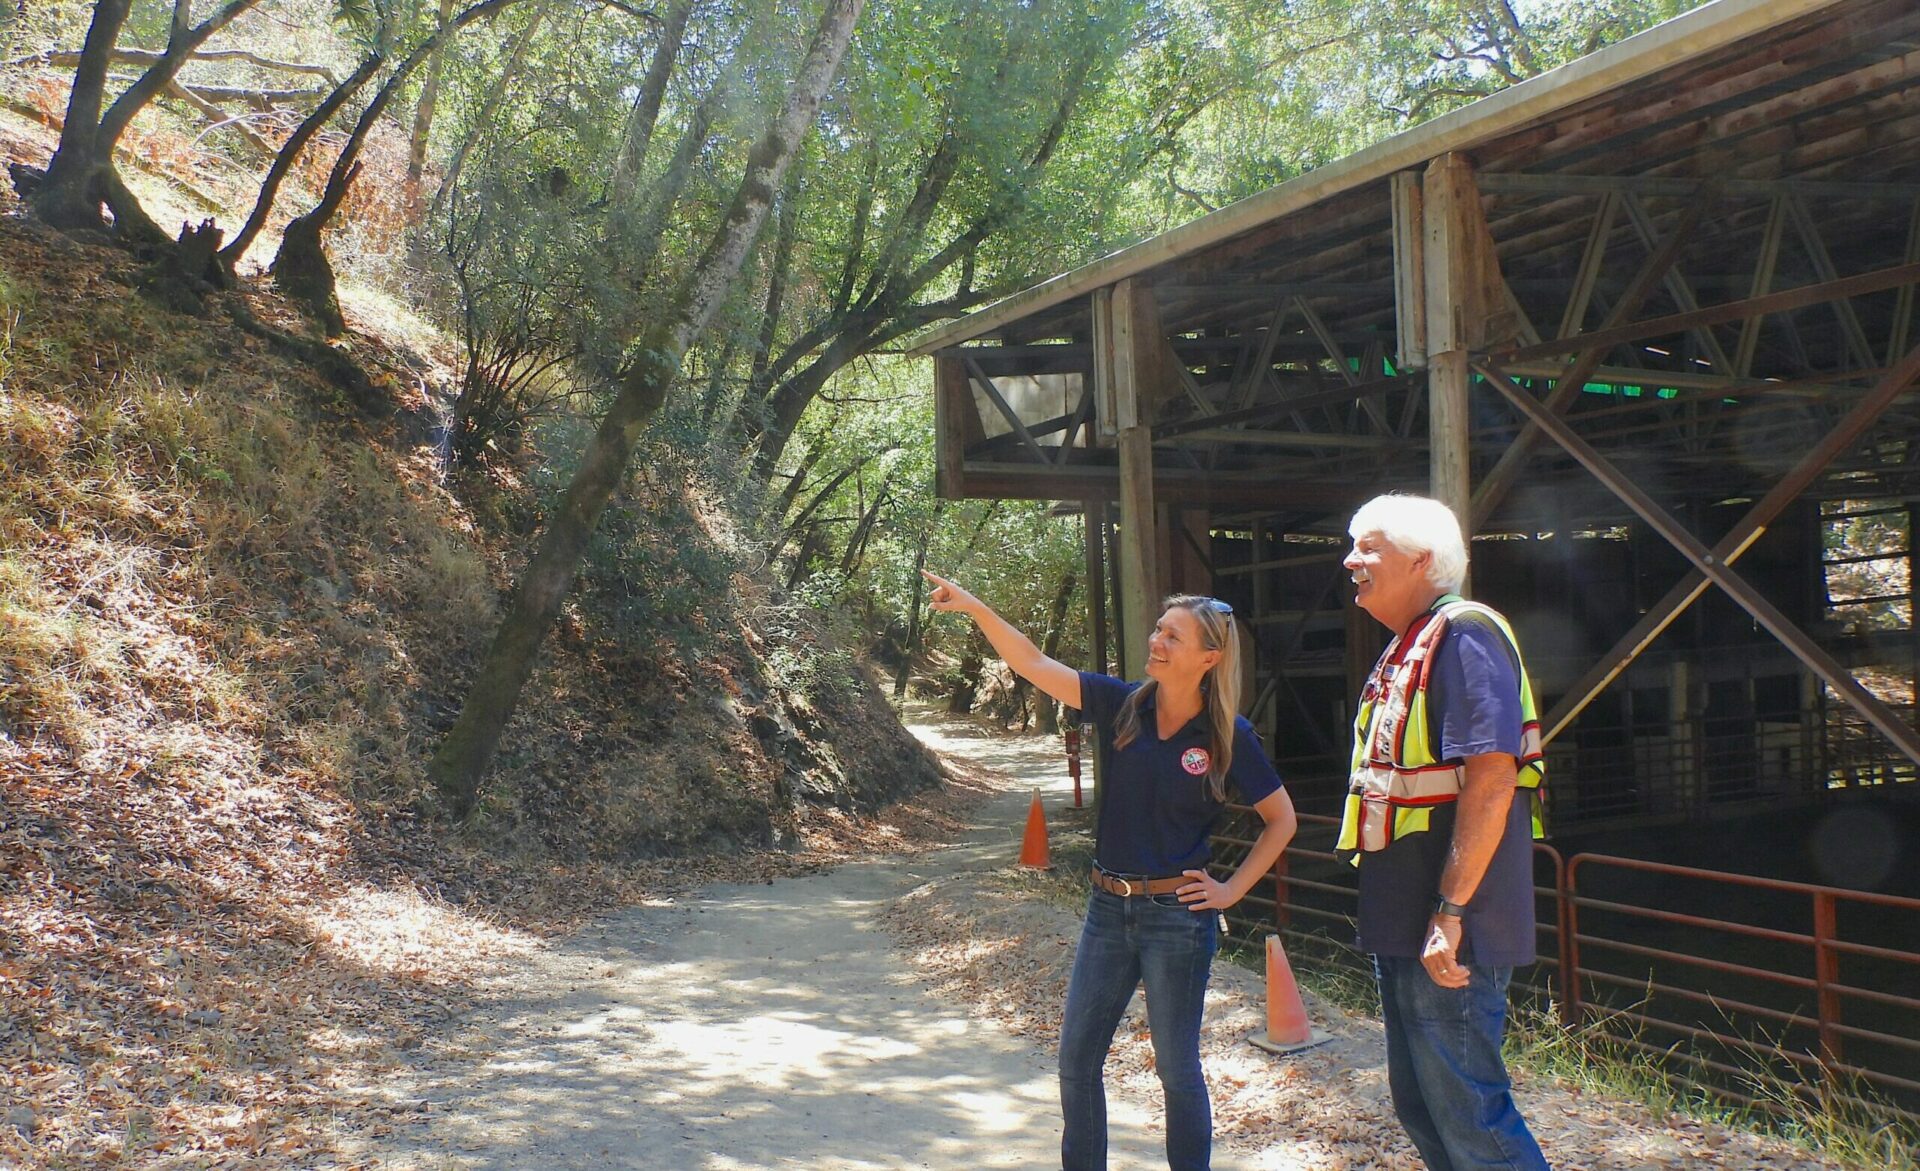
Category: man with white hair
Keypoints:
(1445, 735)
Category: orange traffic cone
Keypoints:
(1287, 1028)
(1033, 847)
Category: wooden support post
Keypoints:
(1106, 403)
(1139, 557)
(1094, 514)
(951, 402)
(1448, 435)
(1117, 605)
(1132, 357)
(1913, 609)
(1466, 307)
(1409, 268)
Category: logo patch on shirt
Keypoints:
(1195, 761)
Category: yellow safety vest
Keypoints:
(1396, 778)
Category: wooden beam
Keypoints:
(1763, 269)
(1522, 183)
(1007, 439)
(1592, 257)
(1878, 280)
(1677, 285)
(1106, 382)
(1294, 404)
(1409, 272)
(1269, 292)
(1825, 269)
(1462, 281)
(1903, 303)
(950, 404)
(1844, 435)
(1835, 676)
(1291, 439)
(1500, 479)
(1261, 489)
(1133, 357)
(1006, 412)
(1081, 415)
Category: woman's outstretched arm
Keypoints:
(1049, 675)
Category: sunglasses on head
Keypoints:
(1219, 607)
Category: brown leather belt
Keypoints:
(1113, 884)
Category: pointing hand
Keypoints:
(948, 596)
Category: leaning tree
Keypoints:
(652, 367)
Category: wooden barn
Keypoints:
(1647, 322)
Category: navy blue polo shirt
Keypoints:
(1473, 703)
(1155, 812)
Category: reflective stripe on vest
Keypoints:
(1395, 779)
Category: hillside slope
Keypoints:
(235, 614)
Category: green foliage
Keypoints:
(1012, 553)
(1868, 551)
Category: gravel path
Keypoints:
(765, 1026)
(900, 1013)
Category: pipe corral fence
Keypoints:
(1742, 986)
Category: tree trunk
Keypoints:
(490, 108)
(972, 662)
(820, 498)
(69, 197)
(646, 107)
(301, 269)
(913, 612)
(290, 153)
(1050, 647)
(181, 42)
(469, 748)
(809, 552)
(857, 543)
(716, 391)
(791, 492)
(643, 245)
(423, 113)
(776, 283)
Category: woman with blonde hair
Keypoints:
(1177, 750)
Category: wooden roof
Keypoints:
(1783, 136)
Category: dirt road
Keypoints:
(765, 1026)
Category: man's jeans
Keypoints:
(1124, 942)
(1449, 1083)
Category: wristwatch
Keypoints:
(1443, 906)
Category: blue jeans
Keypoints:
(1123, 943)
(1444, 1067)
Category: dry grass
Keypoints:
(233, 617)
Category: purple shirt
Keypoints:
(1156, 813)
(1473, 708)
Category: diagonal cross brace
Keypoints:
(1738, 540)
(1708, 564)
(1506, 470)
(1006, 412)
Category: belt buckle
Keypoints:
(1126, 888)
